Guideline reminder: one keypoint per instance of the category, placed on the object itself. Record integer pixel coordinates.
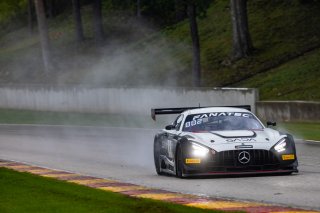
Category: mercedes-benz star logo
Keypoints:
(244, 157)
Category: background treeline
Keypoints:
(269, 44)
(162, 12)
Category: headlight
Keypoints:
(198, 150)
(281, 145)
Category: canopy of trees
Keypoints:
(163, 13)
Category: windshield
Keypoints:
(219, 121)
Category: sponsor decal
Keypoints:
(244, 147)
(216, 114)
(288, 157)
(241, 140)
(193, 160)
(204, 118)
(193, 123)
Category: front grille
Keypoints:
(257, 158)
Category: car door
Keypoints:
(172, 137)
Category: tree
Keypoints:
(196, 64)
(242, 44)
(97, 21)
(180, 10)
(77, 20)
(196, 8)
(50, 8)
(55, 7)
(138, 8)
(44, 36)
(30, 16)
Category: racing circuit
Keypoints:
(126, 154)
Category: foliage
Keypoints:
(161, 12)
(282, 32)
(11, 9)
(118, 5)
(12, 14)
(202, 6)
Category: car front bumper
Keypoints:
(228, 163)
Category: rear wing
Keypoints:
(168, 111)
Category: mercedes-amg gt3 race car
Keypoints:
(221, 141)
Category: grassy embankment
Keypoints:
(23, 192)
(307, 131)
(284, 65)
(285, 34)
(300, 130)
(8, 116)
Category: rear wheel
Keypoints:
(179, 163)
(156, 154)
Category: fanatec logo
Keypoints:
(244, 157)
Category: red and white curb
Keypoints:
(137, 191)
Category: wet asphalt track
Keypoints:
(126, 154)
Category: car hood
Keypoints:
(236, 139)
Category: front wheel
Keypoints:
(156, 153)
(179, 163)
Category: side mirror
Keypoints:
(271, 123)
(170, 127)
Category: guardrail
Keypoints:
(288, 110)
(119, 100)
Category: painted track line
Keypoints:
(137, 191)
(313, 141)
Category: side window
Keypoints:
(178, 122)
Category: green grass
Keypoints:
(307, 131)
(10, 116)
(279, 31)
(304, 130)
(23, 192)
(298, 79)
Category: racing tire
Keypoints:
(156, 154)
(179, 163)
